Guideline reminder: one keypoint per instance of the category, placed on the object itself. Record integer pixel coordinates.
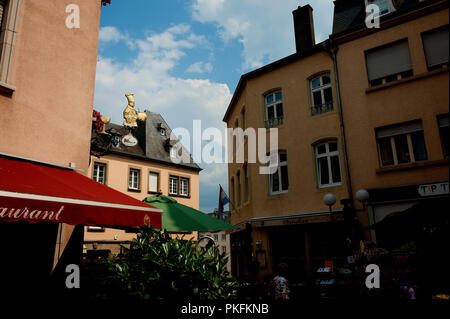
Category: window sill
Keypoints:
(153, 193)
(7, 88)
(412, 166)
(134, 190)
(179, 196)
(405, 80)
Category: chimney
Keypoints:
(304, 28)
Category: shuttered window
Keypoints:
(389, 63)
(153, 182)
(435, 44)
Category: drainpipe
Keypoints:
(331, 48)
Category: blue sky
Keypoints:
(183, 59)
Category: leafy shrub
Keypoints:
(158, 267)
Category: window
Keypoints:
(184, 186)
(178, 186)
(246, 183)
(224, 237)
(224, 249)
(244, 124)
(279, 181)
(95, 229)
(99, 174)
(435, 44)
(274, 109)
(238, 194)
(384, 5)
(328, 166)
(173, 185)
(9, 19)
(232, 192)
(321, 94)
(162, 131)
(443, 131)
(134, 179)
(389, 63)
(401, 144)
(153, 182)
(216, 238)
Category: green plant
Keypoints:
(158, 267)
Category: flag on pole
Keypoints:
(223, 199)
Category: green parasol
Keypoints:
(178, 217)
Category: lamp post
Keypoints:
(363, 196)
(330, 200)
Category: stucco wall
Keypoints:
(48, 116)
(422, 98)
(296, 136)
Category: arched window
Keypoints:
(328, 164)
(321, 94)
(274, 109)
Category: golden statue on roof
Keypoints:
(130, 115)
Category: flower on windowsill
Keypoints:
(106, 2)
(97, 123)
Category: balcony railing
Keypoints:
(321, 108)
(277, 121)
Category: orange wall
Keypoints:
(297, 136)
(422, 98)
(48, 117)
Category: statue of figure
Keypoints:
(130, 115)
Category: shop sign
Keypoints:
(129, 140)
(433, 189)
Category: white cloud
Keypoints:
(149, 77)
(111, 34)
(200, 67)
(264, 27)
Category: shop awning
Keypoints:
(35, 192)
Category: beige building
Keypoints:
(282, 217)
(366, 110)
(395, 102)
(139, 171)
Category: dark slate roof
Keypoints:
(152, 146)
(350, 15)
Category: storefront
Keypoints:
(43, 208)
(412, 224)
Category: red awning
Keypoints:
(36, 192)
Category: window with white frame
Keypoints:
(389, 63)
(444, 132)
(436, 46)
(99, 173)
(184, 186)
(321, 94)
(274, 109)
(153, 182)
(173, 185)
(328, 165)
(401, 144)
(134, 179)
(279, 181)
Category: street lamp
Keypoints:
(329, 200)
(363, 196)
